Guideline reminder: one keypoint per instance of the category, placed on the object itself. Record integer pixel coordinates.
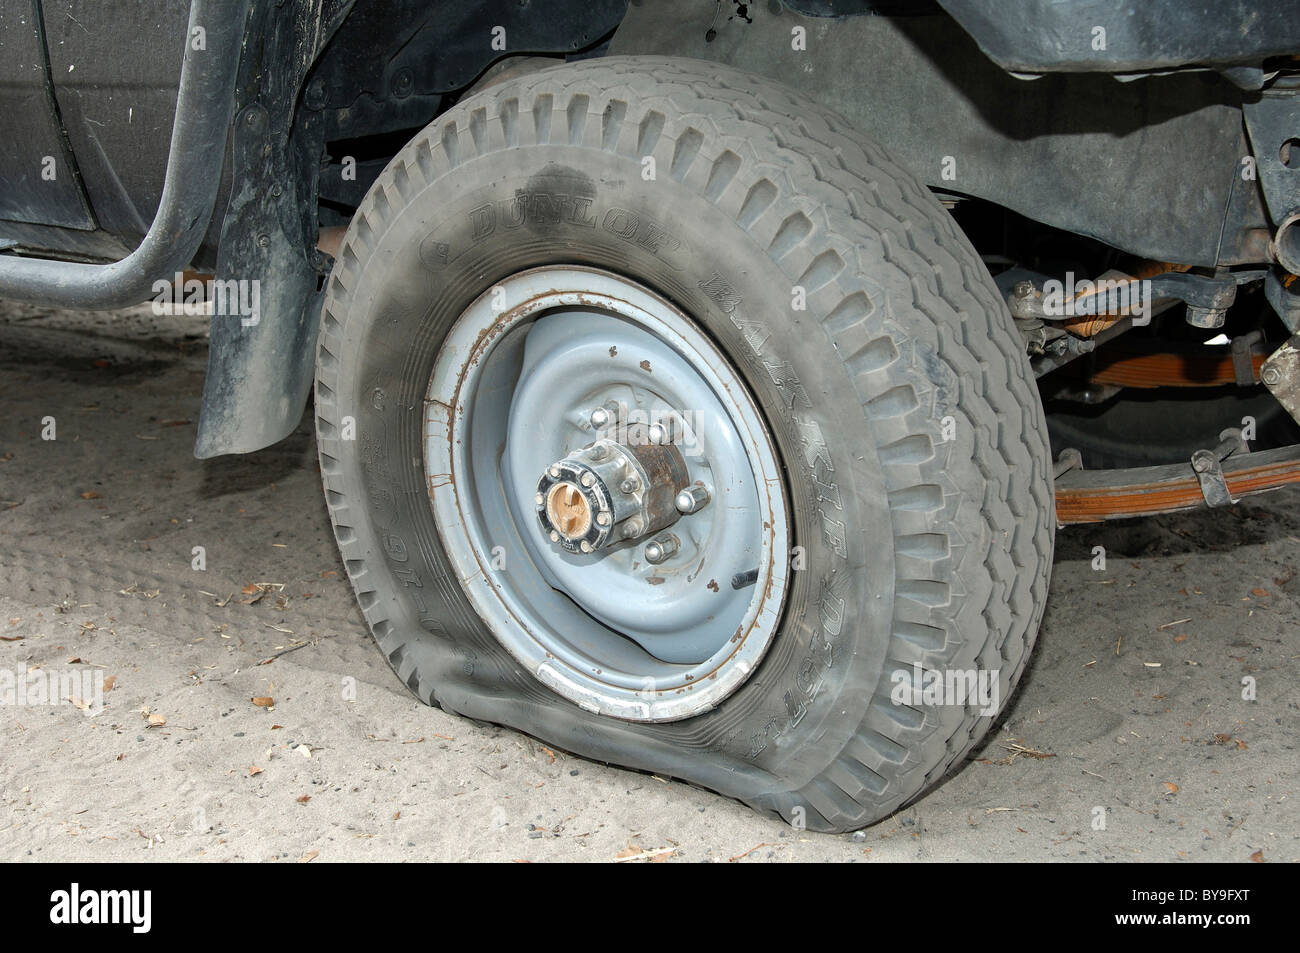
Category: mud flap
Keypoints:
(266, 305)
(259, 376)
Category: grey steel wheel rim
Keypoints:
(517, 389)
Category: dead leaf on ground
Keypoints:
(253, 771)
(263, 701)
(308, 857)
(1171, 787)
(90, 495)
(1258, 856)
(304, 799)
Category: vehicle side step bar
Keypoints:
(198, 148)
(1090, 496)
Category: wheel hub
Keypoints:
(601, 479)
(610, 492)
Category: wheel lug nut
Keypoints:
(588, 478)
(661, 548)
(631, 529)
(692, 499)
(603, 519)
(630, 485)
(664, 432)
(599, 417)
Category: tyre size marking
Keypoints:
(810, 675)
(397, 554)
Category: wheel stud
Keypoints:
(692, 499)
(599, 418)
(661, 548)
(630, 485)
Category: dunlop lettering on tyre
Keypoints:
(783, 323)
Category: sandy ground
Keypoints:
(1133, 704)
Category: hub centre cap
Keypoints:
(567, 510)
